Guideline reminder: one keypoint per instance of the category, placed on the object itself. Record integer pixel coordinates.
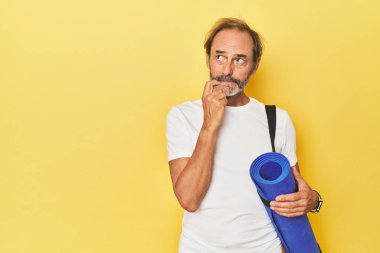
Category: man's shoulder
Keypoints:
(280, 112)
(283, 117)
(187, 107)
(187, 114)
(191, 104)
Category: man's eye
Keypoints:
(240, 60)
(220, 57)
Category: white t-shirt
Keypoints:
(231, 217)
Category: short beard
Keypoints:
(240, 84)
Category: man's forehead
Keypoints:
(232, 41)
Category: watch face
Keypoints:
(320, 202)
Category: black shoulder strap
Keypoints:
(271, 115)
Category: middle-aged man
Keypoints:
(211, 145)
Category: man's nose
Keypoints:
(228, 69)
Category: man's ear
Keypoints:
(208, 60)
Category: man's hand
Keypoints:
(214, 102)
(298, 203)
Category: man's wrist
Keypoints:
(209, 130)
(316, 198)
(318, 202)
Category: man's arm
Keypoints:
(298, 203)
(191, 177)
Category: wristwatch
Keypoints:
(319, 204)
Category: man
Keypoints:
(211, 145)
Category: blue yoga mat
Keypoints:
(273, 176)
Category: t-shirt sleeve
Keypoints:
(178, 137)
(289, 141)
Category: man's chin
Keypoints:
(235, 91)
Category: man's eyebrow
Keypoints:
(237, 55)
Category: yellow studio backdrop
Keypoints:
(85, 87)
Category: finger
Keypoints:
(210, 86)
(207, 89)
(218, 95)
(224, 101)
(225, 87)
(289, 210)
(292, 204)
(289, 197)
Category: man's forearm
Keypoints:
(193, 182)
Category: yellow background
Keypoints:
(85, 87)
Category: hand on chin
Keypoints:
(226, 87)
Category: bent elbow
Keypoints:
(189, 205)
(187, 200)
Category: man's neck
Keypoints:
(239, 99)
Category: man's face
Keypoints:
(230, 60)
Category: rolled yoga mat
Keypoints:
(273, 176)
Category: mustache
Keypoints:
(227, 79)
(241, 84)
